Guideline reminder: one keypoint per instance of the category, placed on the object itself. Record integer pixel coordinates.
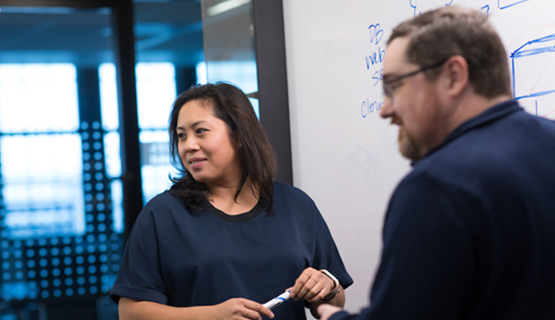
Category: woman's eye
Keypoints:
(181, 136)
(200, 130)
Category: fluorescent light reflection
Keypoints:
(225, 6)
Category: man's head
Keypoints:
(435, 64)
(439, 34)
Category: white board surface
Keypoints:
(344, 155)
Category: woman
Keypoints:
(226, 238)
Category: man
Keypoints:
(470, 232)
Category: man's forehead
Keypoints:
(395, 55)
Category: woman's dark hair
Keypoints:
(256, 155)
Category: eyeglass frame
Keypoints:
(388, 92)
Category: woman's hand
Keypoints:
(240, 309)
(236, 309)
(312, 285)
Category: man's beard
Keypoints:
(407, 146)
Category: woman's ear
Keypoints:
(236, 142)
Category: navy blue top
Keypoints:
(181, 257)
(470, 232)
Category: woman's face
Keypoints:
(205, 147)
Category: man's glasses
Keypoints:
(387, 88)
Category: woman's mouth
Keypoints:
(196, 163)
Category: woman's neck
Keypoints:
(223, 198)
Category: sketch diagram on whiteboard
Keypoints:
(504, 4)
(420, 6)
(533, 68)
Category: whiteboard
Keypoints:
(344, 155)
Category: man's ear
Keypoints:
(455, 73)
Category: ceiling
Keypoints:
(164, 31)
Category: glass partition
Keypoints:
(229, 44)
(58, 234)
(169, 53)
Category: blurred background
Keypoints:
(86, 89)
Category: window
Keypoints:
(42, 165)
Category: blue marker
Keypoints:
(277, 300)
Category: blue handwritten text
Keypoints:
(368, 107)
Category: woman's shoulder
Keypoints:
(287, 192)
(162, 198)
(288, 189)
(164, 201)
(164, 209)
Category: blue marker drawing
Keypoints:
(374, 60)
(366, 165)
(531, 48)
(504, 4)
(486, 9)
(376, 33)
(377, 55)
(368, 107)
(419, 11)
(533, 68)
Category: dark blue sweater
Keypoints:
(181, 257)
(470, 232)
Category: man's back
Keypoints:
(493, 181)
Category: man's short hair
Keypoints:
(438, 34)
